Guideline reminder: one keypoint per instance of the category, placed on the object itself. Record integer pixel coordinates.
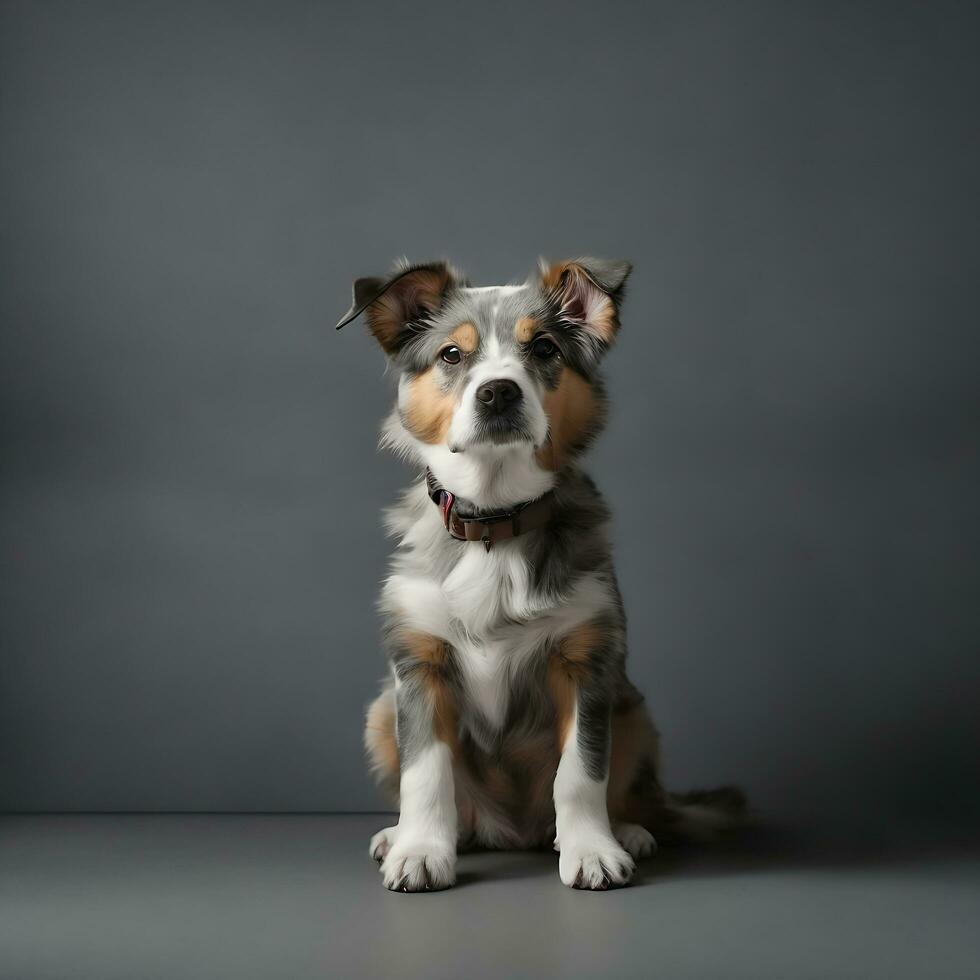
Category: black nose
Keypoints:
(499, 395)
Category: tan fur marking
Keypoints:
(381, 743)
(432, 652)
(445, 719)
(551, 276)
(577, 646)
(525, 328)
(465, 338)
(562, 690)
(425, 648)
(604, 321)
(568, 665)
(430, 410)
(386, 315)
(572, 408)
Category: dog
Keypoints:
(508, 719)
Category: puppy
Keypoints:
(508, 720)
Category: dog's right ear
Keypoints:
(400, 306)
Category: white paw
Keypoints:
(419, 866)
(594, 861)
(381, 843)
(636, 839)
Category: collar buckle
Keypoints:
(483, 528)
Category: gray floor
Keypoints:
(297, 896)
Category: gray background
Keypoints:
(189, 546)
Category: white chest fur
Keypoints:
(487, 610)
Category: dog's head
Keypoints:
(498, 386)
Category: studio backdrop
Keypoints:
(191, 545)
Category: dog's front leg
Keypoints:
(590, 855)
(423, 854)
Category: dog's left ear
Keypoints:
(398, 307)
(587, 293)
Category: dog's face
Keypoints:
(496, 384)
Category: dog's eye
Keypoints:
(451, 355)
(543, 348)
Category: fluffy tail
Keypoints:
(702, 815)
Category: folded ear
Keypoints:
(399, 307)
(587, 293)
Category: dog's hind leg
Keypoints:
(637, 841)
(381, 843)
(381, 745)
(634, 750)
(638, 799)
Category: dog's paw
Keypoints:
(594, 861)
(636, 839)
(381, 843)
(419, 866)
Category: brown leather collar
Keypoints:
(489, 527)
